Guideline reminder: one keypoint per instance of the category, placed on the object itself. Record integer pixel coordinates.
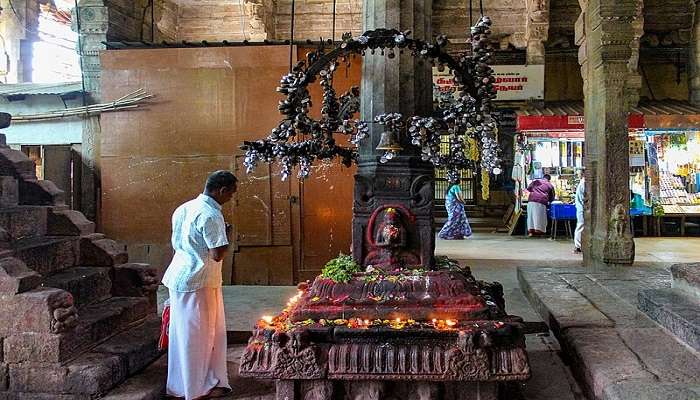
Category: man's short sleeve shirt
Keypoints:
(198, 226)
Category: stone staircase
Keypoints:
(76, 319)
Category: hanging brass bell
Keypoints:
(389, 142)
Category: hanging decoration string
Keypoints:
(471, 9)
(333, 31)
(291, 36)
(153, 21)
(481, 7)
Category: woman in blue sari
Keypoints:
(457, 227)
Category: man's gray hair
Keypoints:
(220, 179)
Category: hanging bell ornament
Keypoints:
(389, 142)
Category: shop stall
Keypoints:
(664, 159)
(551, 141)
(673, 147)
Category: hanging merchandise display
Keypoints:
(676, 170)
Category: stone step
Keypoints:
(9, 191)
(674, 310)
(113, 315)
(686, 277)
(146, 385)
(93, 373)
(87, 284)
(96, 323)
(24, 221)
(651, 391)
(48, 255)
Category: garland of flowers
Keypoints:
(485, 185)
(299, 140)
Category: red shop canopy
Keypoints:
(566, 118)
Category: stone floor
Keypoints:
(491, 257)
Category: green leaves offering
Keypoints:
(340, 269)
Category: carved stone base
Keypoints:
(384, 390)
(618, 251)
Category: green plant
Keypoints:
(340, 269)
(443, 262)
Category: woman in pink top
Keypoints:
(541, 194)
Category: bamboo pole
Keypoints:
(129, 101)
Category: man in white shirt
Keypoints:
(197, 333)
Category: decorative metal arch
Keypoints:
(299, 140)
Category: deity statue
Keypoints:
(390, 233)
(389, 245)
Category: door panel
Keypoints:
(58, 168)
(271, 265)
(253, 206)
(263, 224)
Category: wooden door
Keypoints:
(263, 213)
(326, 218)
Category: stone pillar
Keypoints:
(536, 30)
(694, 58)
(94, 26)
(402, 84)
(612, 29)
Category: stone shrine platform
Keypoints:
(615, 350)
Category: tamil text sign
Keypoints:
(513, 82)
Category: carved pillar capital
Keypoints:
(258, 20)
(536, 30)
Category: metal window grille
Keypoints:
(468, 181)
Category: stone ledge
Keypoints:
(559, 304)
(24, 221)
(87, 284)
(16, 277)
(672, 310)
(48, 255)
(601, 358)
(69, 223)
(651, 391)
(92, 373)
(686, 277)
(147, 385)
(632, 349)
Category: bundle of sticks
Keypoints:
(127, 102)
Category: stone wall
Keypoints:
(314, 18)
(563, 80)
(212, 21)
(451, 17)
(131, 19)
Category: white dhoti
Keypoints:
(536, 216)
(196, 343)
(578, 233)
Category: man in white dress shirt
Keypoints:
(197, 333)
